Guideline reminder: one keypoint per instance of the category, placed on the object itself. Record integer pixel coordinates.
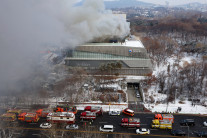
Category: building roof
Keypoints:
(127, 43)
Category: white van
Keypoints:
(107, 128)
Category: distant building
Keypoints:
(127, 58)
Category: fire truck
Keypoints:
(161, 124)
(14, 111)
(97, 109)
(130, 122)
(61, 117)
(43, 112)
(8, 117)
(28, 117)
(88, 115)
(11, 115)
(65, 108)
(169, 117)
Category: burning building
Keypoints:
(121, 58)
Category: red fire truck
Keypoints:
(88, 115)
(43, 112)
(65, 108)
(169, 117)
(130, 122)
(28, 117)
(97, 109)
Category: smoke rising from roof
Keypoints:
(27, 26)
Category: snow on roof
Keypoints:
(127, 43)
(129, 110)
(133, 43)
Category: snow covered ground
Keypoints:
(172, 107)
(186, 108)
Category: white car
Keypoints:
(205, 123)
(107, 128)
(138, 96)
(143, 131)
(114, 112)
(46, 125)
(72, 126)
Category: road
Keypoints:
(32, 129)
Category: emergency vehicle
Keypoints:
(14, 111)
(88, 115)
(128, 112)
(61, 117)
(161, 124)
(169, 117)
(8, 117)
(97, 109)
(43, 112)
(28, 117)
(65, 108)
(130, 122)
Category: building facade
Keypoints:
(128, 58)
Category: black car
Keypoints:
(202, 134)
(187, 122)
(178, 132)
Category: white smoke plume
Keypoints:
(27, 26)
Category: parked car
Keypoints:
(205, 123)
(178, 132)
(143, 131)
(187, 122)
(72, 126)
(202, 134)
(114, 112)
(137, 95)
(45, 125)
(128, 112)
(107, 128)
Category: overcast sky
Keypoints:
(171, 2)
(174, 2)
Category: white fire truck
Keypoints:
(61, 117)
